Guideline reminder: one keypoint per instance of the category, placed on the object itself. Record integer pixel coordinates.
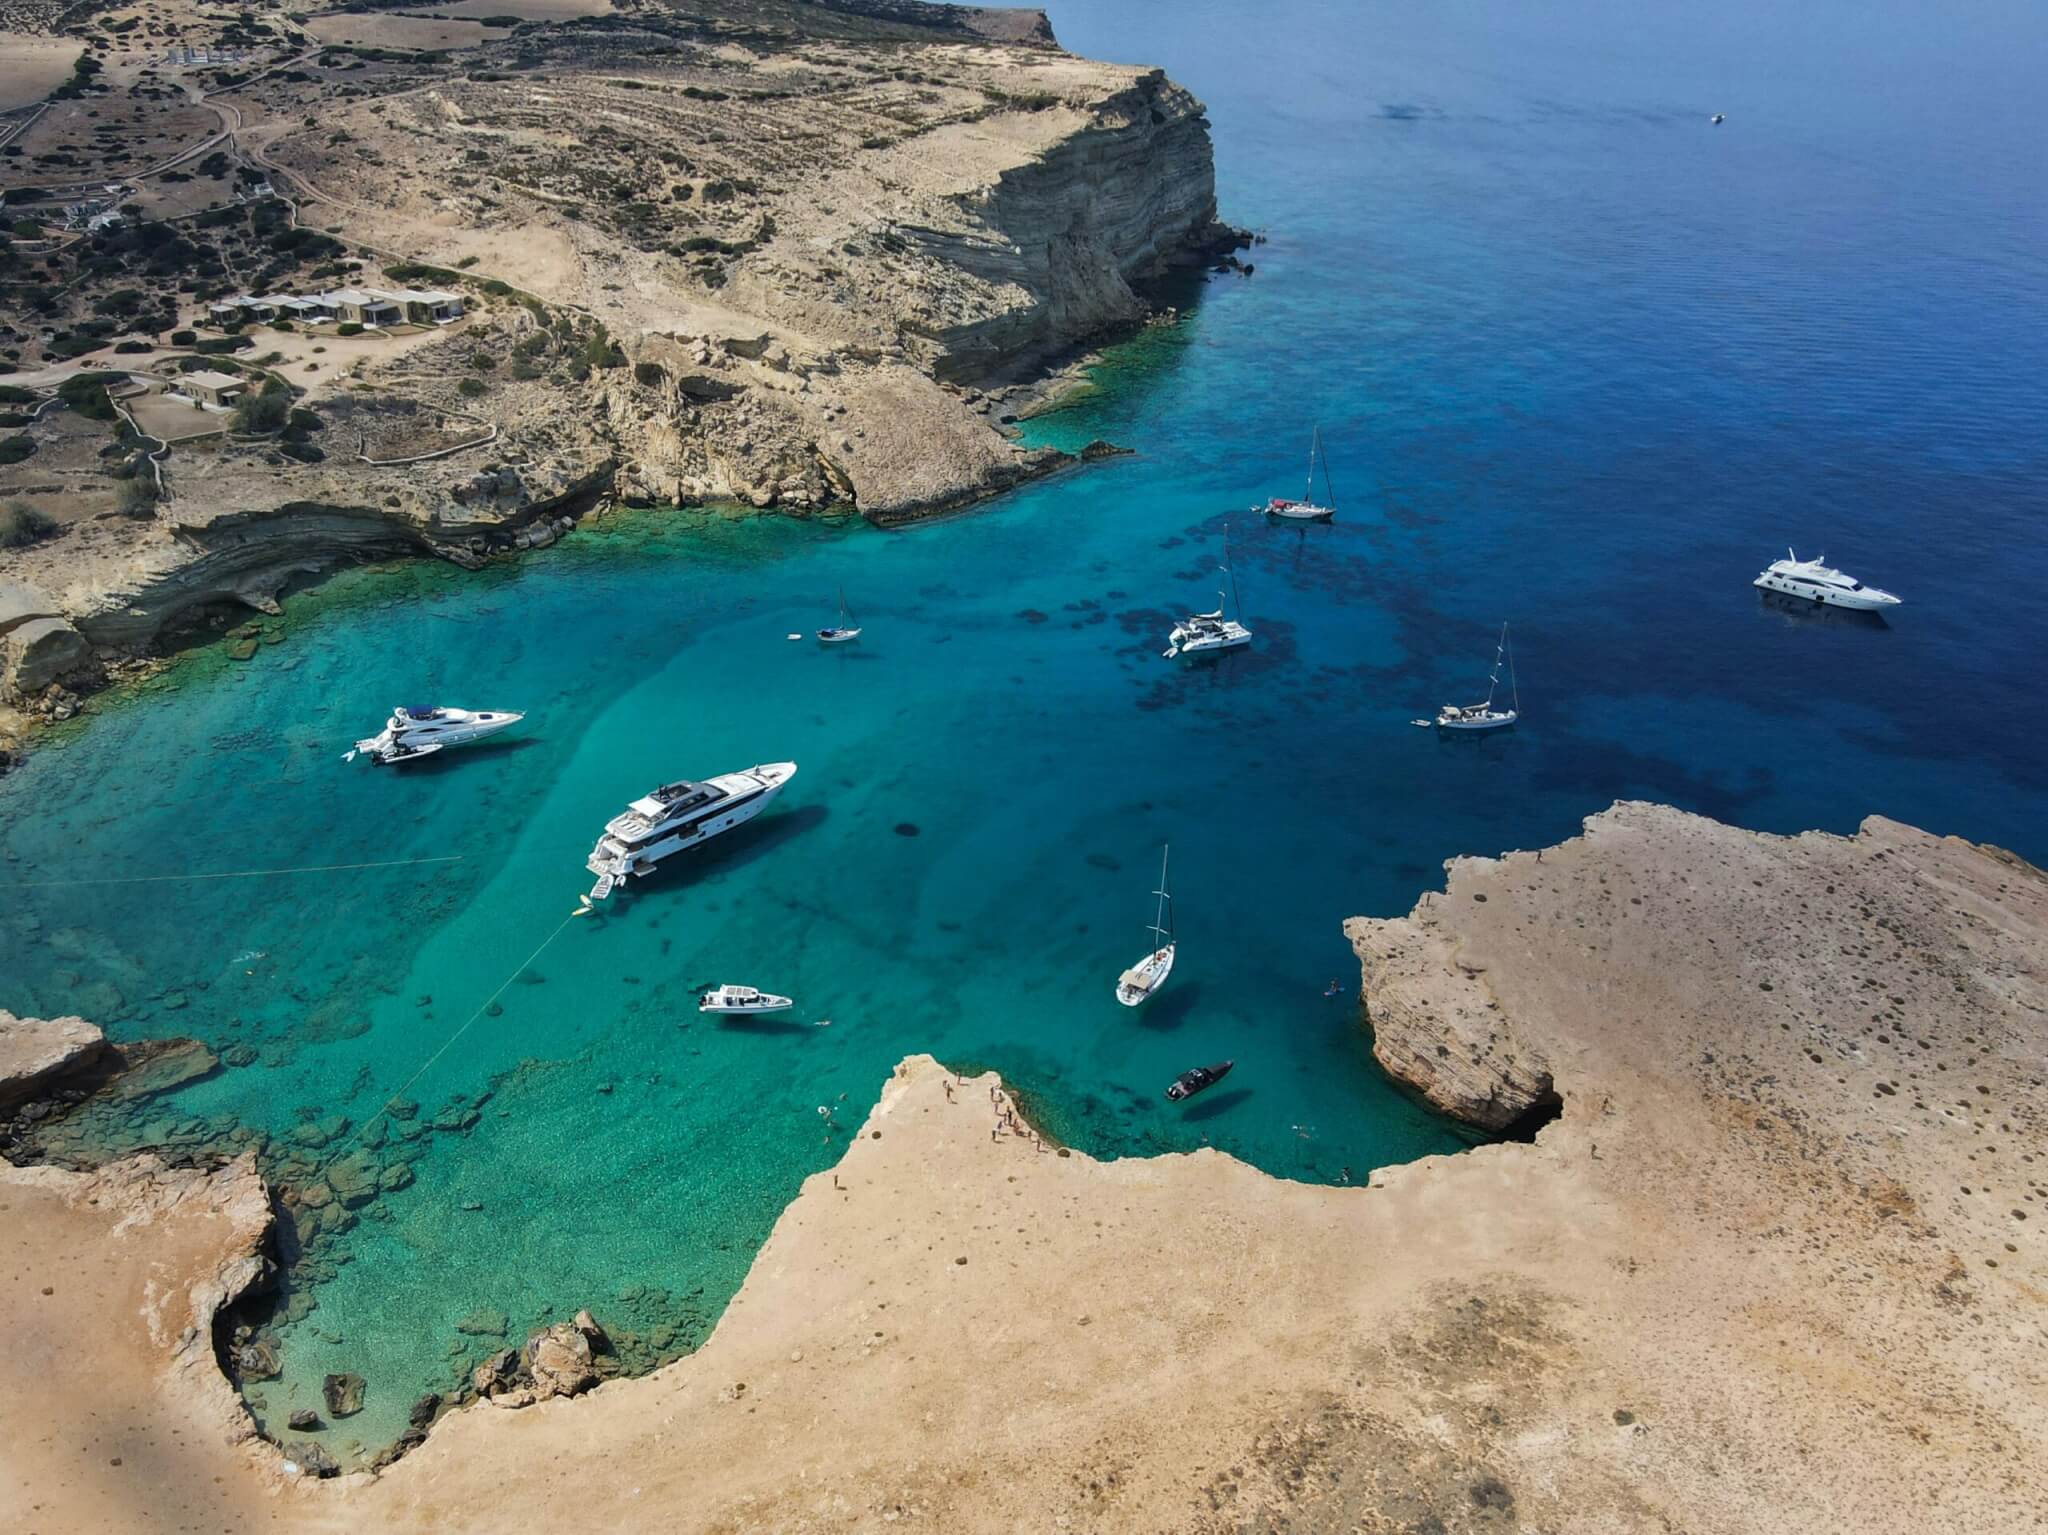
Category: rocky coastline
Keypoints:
(1771, 1266)
(853, 329)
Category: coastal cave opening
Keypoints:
(1547, 1109)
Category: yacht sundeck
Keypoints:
(413, 733)
(677, 816)
(1816, 582)
(741, 999)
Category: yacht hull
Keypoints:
(1496, 721)
(1140, 984)
(1866, 601)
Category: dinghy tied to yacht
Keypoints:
(1483, 716)
(1204, 633)
(420, 732)
(1137, 984)
(676, 816)
(1817, 582)
(1306, 509)
(741, 999)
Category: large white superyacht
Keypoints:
(677, 816)
(1817, 582)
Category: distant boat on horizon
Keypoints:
(1306, 509)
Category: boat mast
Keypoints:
(1514, 687)
(1315, 437)
(1231, 571)
(1493, 677)
(1162, 919)
(1328, 489)
(842, 606)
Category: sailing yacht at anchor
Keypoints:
(1137, 984)
(1306, 509)
(1483, 716)
(1201, 633)
(844, 630)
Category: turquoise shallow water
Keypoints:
(1581, 363)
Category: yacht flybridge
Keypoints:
(1201, 633)
(1815, 581)
(677, 816)
(420, 732)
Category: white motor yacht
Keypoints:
(1137, 984)
(411, 733)
(1816, 582)
(677, 816)
(741, 999)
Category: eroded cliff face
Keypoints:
(1063, 237)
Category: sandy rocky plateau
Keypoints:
(788, 254)
(1774, 1261)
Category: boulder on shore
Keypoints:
(558, 1359)
(38, 1053)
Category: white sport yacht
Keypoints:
(677, 816)
(1816, 582)
(411, 733)
(741, 999)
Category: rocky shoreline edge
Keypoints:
(1732, 1284)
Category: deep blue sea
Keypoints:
(1583, 362)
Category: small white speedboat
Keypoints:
(1137, 984)
(741, 999)
(419, 732)
(1817, 582)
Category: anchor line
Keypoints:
(311, 868)
(449, 1043)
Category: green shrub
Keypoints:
(14, 449)
(265, 410)
(215, 346)
(348, 328)
(183, 337)
(14, 394)
(86, 393)
(470, 388)
(126, 347)
(22, 524)
(138, 495)
(648, 373)
(280, 325)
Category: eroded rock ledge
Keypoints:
(1778, 1266)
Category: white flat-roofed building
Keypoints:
(209, 390)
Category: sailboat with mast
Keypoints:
(1201, 633)
(843, 631)
(1307, 509)
(1137, 984)
(1484, 716)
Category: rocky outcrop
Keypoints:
(40, 1054)
(1436, 1025)
(559, 1360)
(1066, 235)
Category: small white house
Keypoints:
(209, 390)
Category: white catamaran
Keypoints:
(1201, 633)
(1307, 509)
(677, 816)
(846, 629)
(1484, 716)
(1137, 984)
